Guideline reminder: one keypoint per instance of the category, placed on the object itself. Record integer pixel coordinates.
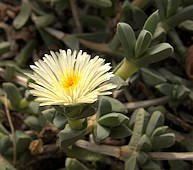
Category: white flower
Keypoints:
(67, 78)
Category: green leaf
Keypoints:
(49, 114)
(131, 163)
(48, 39)
(138, 128)
(174, 79)
(73, 164)
(83, 154)
(144, 144)
(5, 144)
(127, 11)
(143, 42)
(99, 3)
(162, 6)
(99, 36)
(23, 16)
(132, 119)
(159, 131)
(3, 130)
(160, 34)
(61, 5)
(139, 16)
(151, 165)
(93, 21)
(118, 81)
(121, 131)
(26, 53)
(5, 165)
(187, 25)
(127, 39)
(151, 23)
(152, 77)
(142, 158)
(32, 108)
(165, 88)
(71, 42)
(163, 141)
(22, 141)
(13, 94)
(179, 165)
(33, 122)
(9, 73)
(108, 104)
(59, 120)
(113, 120)
(101, 132)
(156, 120)
(172, 7)
(155, 54)
(4, 47)
(68, 136)
(182, 15)
(45, 20)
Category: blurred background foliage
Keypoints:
(149, 112)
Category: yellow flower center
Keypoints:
(70, 80)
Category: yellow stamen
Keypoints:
(70, 80)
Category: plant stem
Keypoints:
(126, 69)
(12, 130)
(120, 152)
(76, 124)
(146, 103)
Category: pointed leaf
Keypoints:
(113, 120)
(49, 114)
(3, 130)
(143, 42)
(22, 141)
(162, 6)
(68, 136)
(45, 20)
(144, 144)
(138, 128)
(73, 164)
(172, 7)
(121, 131)
(83, 154)
(152, 165)
(5, 165)
(72, 42)
(23, 16)
(131, 163)
(13, 94)
(99, 3)
(5, 143)
(101, 132)
(109, 104)
(118, 81)
(182, 15)
(139, 16)
(59, 120)
(165, 88)
(142, 158)
(155, 54)
(4, 47)
(163, 141)
(33, 122)
(127, 39)
(152, 77)
(156, 120)
(151, 23)
(159, 131)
